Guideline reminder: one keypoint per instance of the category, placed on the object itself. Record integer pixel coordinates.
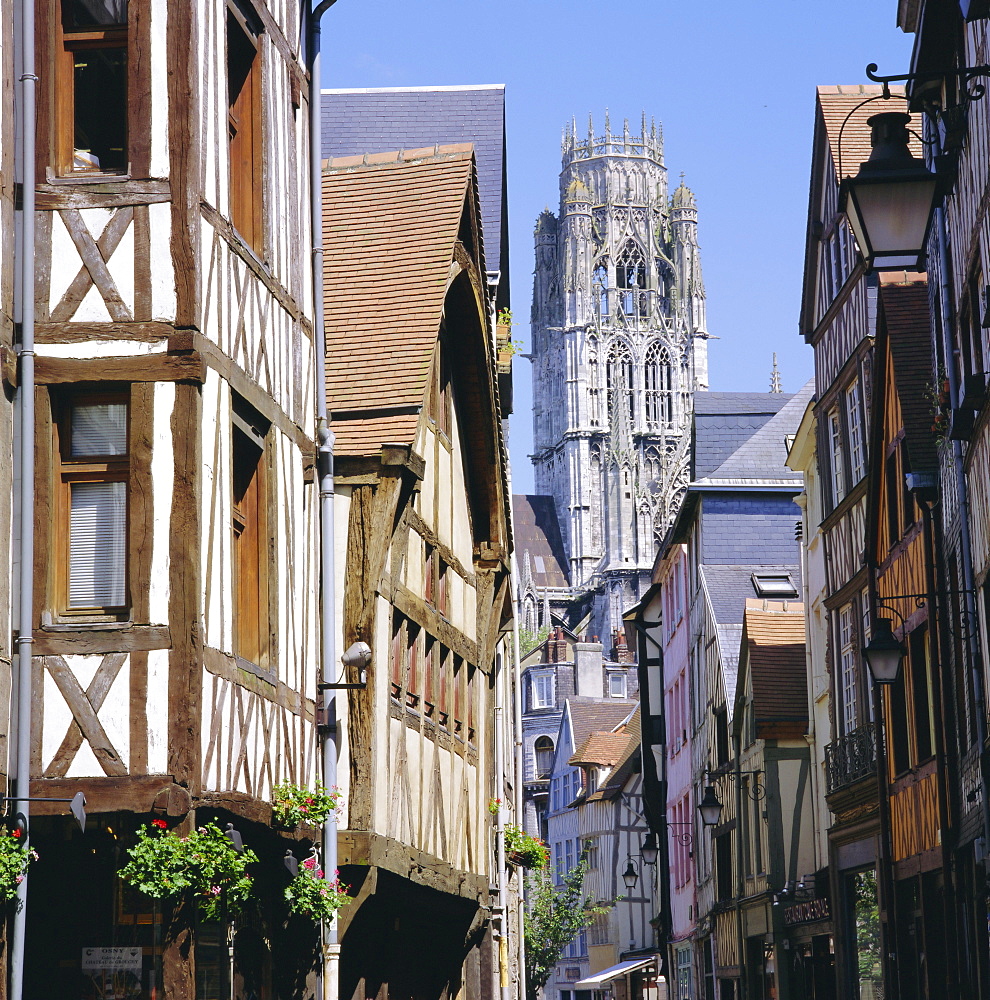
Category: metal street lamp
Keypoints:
(884, 652)
(889, 203)
(630, 876)
(650, 849)
(710, 807)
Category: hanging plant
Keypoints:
(311, 895)
(15, 856)
(204, 864)
(293, 804)
(523, 850)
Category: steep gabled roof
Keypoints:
(538, 540)
(604, 749)
(724, 421)
(383, 119)
(773, 644)
(390, 225)
(590, 715)
(762, 458)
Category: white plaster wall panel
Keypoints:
(455, 600)
(93, 308)
(471, 611)
(414, 564)
(443, 511)
(158, 70)
(215, 513)
(104, 349)
(460, 538)
(157, 719)
(162, 483)
(65, 261)
(162, 273)
(121, 267)
(424, 499)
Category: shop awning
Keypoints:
(612, 972)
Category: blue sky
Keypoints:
(734, 86)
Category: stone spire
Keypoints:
(775, 376)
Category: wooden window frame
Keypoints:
(250, 521)
(89, 468)
(246, 131)
(56, 114)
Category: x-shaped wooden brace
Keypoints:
(85, 722)
(95, 254)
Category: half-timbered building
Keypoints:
(174, 579)
(916, 899)
(424, 546)
(786, 946)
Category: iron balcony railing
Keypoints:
(851, 757)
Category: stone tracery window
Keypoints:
(630, 275)
(594, 384)
(619, 373)
(659, 379)
(599, 287)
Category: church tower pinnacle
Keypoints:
(619, 348)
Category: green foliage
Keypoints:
(528, 640)
(15, 857)
(310, 895)
(293, 804)
(504, 317)
(530, 852)
(204, 864)
(867, 911)
(555, 915)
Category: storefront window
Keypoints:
(868, 966)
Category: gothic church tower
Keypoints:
(619, 348)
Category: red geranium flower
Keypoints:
(160, 823)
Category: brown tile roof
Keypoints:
(591, 715)
(846, 101)
(627, 764)
(905, 313)
(390, 222)
(774, 641)
(601, 748)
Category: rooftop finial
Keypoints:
(608, 126)
(775, 376)
(643, 125)
(591, 129)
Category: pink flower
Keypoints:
(215, 890)
(20, 879)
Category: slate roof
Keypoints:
(538, 541)
(905, 312)
(762, 457)
(385, 119)
(839, 103)
(729, 587)
(390, 224)
(723, 421)
(774, 643)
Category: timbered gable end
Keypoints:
(420, 473)
(158, 323)
(899, 547)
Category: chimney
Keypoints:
(589, 677)
(622, 652)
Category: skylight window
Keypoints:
(774, 585)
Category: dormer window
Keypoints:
(777, 586)
(541, 693)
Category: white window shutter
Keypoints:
(98, 545)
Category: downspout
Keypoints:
(740, 873)
(500, 914)
(25, 355)
(518, 744)
(324, 471)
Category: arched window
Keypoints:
(630, 275)
(619, 373)
(659, 377)
(599, 287)
(543, 750)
